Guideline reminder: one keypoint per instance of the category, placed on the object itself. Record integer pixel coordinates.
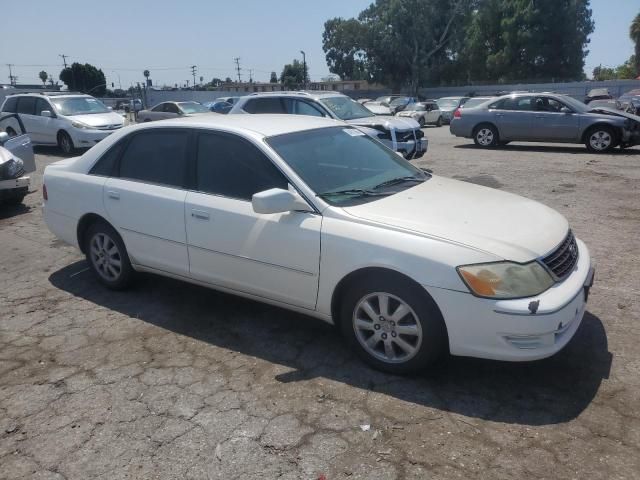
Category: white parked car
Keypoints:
(313, 215)
(16, 163)
(425, 113)
(165, 110)
(69, 120)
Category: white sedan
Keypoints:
(313, 215)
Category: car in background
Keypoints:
(629, 101)
(378, 108)
(69, 120)
(546, 117)
(402, 135)
(448, 105)
(400, 103)
(165, 110)
(475, 101)
(311, 215)
(362, 101)
(597, 94)
(219, 106)
(16, 162)
(232, 100)
(425, 113)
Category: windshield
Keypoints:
(345, 108)
(343, 159)
(192, 107)
(383, 99)
(78, 105)
(399, 101)
(448, 103)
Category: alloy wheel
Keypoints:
(106, 257)
(387, 327)
(600, 140)
(485, 137)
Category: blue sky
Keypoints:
(167, 36)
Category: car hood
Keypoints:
(614, 112)
(98, 119)
(386, 121)
(501, 224)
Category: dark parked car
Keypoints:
(597, 94)
(546, 117)
(629, 102)
(400, 103)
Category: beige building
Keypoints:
(336, 86)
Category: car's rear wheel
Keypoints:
(486, 136)
(600, 139)
(107, 255)
(65, 143)
(393, 324)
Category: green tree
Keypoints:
(146, 74)
(627, 70)
(292, 75)
(603, 73)
(343, 45)
(43, 77)
(634, 33)
(274, 78)
(84, 78)
(228, 80)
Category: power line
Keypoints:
(237, 60)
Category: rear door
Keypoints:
(145, 199)
(550, 124)
(515, 118)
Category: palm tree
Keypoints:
(146, 74)
(634, 33)
(43, 77)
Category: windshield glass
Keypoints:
(78, 105)
(192, 107)
(448, 103)
(343, 159)
(398, 101)
(345, 108)
(383, 99)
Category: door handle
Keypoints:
(499, 114)
(201, 214)
(114, 195)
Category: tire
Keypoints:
(486, 136)
(421, 122)
(439, 122)
(406, 343)
(65, 143)
(11, 132)
(600, 139)
(107, 256)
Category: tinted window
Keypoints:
(304, 108)
(171, 108)
(519, 104)
(546, 104)
(10, 105)
(265, 105)
(158, 108)
(156, 157)
(26, 105)
(106, 165)
(229, 166)
(41, 105)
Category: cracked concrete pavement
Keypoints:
(168, 380)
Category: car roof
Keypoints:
(50, 94)
(264, 125)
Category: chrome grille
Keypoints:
(564, 258)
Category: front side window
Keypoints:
(171, 108)
(265, 105)
(10, 105)
(79, 105)
(158, 156)
(158, 108)
(231, 167)
(338, 162)
(346, 108)
(41, 105)
(305, 108)
(26, 105)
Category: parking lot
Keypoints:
(169, 380)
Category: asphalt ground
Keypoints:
(168, 380)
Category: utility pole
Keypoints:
(64, 59)
(237, 60)
(304, 70)
(250, 75)
(12, 79)
(194, 68)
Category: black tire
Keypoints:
(439, 122)
(486, 135)
(433, 339)
(98, 231)
(11, 132)
(421, 122)
(600, 139)
(65, 143)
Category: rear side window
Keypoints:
(156, 157)
(230, 166)
(27, 105)
(265, 105)
(106, 166)
(10, 105)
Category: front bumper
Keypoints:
(16, 187)
(86, 138)
(506, 329)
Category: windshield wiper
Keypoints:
(396, 181)
(355, 192)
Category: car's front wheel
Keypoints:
(486, 136)
(107, 255)
(393, 324)
(65, 143)
(600, 139)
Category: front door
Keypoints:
(551, 124)
(145, 200)
(275, 256)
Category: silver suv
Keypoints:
(402, 135)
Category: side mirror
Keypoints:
(566, 110)
(277, 200)
(46, 113)
(4, 136)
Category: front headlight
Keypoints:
(503, 280)
(77, 124)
